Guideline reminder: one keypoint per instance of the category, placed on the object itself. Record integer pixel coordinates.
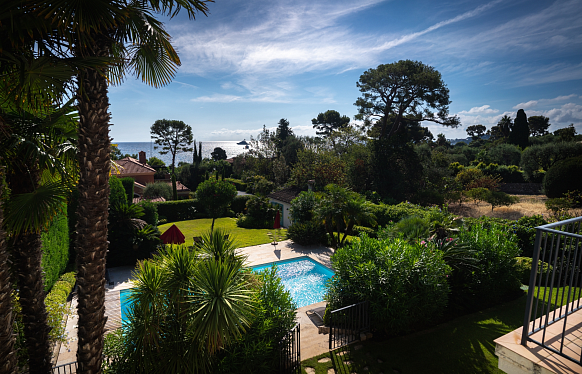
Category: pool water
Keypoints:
(303, 277)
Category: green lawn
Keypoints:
(463, 345)
(243, 237)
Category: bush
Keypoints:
(505, 154)
(525, 230)
(158, 189)
(173, 211)
(360, 230)
(468, 175)
(150, 212)
(307, 233)
(128, 185)
(238, 184)
(405, 284)
(55, 250)
(301, 209)
(523, 269)
(492, 280)
(538, 159)
(116, 191)
(257, 351)
(239, 203)
(56, 306)
(260, 208)
(563, 176)
(498, 198)
(510, 174)
(387, 214)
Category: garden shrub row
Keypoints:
(55, 250)
(180, 210)
(238, 184)
(56, 306)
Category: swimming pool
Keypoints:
(303, 277)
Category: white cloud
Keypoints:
(534, 103)
(480, 109)
(217, 98)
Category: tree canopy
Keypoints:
(172, 136)
(538, 125)
(328, 122)
(404, 89)
(476, 131)
(520, 131)
(218, 154)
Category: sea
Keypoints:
(230, 147)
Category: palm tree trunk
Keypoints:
(27, 256)
(7, 336)
(91, 245)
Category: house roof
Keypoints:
(179, 186)
(130, 165)
(155, 200)
(285, 195)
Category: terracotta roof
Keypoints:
(156, 200)
(130, 165)
(179, 185)
(285, 195)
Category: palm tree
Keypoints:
(39, 170)
(185, 308)
(130, 34)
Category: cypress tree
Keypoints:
(520, 131)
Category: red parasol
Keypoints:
(173, 235)
(277, 224)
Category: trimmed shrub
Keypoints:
(257, 351)
(174, 211)
(239, 203)
(55, 250)
(405, 284)
(564, 176)
(307, 233)
(128, 185)
(238, 184)
(116, 192)
(260, 214)
(388, 214)
(150, 212)
(538, 159)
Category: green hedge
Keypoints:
(239, 203)
(55, 250)
(564, 176)
(238, 184)
(180, 210)
(150, 211)
(128, 185)
(117, 193)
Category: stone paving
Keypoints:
(312, 343)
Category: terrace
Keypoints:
(550, 340)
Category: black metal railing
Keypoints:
(347, 323)
(69, 368)
(290, 352)
(556, 266)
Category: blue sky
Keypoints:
(253, 62)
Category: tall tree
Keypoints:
(215, 197)
(520, 131)
(476, 131)
(283, 132)
(502, 129)
(173, 136)
(328, 122)
(218, 154)
(538, 125)
(136, 41)
(404, 89)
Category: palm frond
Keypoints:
(33, 212)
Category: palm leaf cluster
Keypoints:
(186, 306)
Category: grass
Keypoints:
(243, 237)
(464, 345)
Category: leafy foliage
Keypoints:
(537, 159)
(564, 176)
(302, 206)
(128, 186)
(307, 233)
(55, 250)
(405, 284)
(173, 136)
(158, 189)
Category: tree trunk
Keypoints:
(92, 213)
(27, 256)
(7, 336)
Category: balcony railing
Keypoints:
(555, 286)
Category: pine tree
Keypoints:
(520, 131)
